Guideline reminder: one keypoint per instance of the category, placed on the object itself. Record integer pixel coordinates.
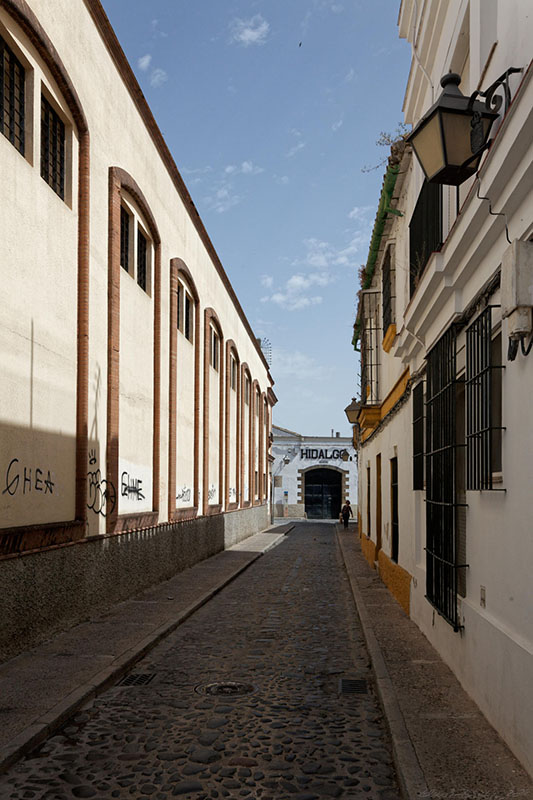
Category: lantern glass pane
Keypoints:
(456, 129)
(427, 143)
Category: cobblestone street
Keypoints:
(296, 717)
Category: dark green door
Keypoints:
(323, 493)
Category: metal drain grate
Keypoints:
(226, 688)
(136, 679)
(353, 686)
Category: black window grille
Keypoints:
(188, 317)
(368, 500)
(142, 255)
(12, 82)
(124, 238)
(425, 231)
(370, 347)
(388, 284)
(418, 436)
(214, 349)
(395, 527)
(441, 495)
(52, 148)
(483, 402)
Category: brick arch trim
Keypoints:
(211, 318)
(231, 349)
(246, 434)
(120, 180)
(185, 273)
(130, 185)
(20, 11)
(33, 537)
(178, 269)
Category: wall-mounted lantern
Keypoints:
(451, 137)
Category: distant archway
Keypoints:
(323, 492)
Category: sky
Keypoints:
(272, 110)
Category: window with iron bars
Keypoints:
(52, 148)
(124, 239)
(418, 436)
(12, 81)
(483, 402)
(388, 286)
(425, 231)
(442, 552)
(370, 347)
(142, 252)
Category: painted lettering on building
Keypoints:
(315, 454)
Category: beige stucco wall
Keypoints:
(38, 327)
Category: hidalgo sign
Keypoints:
(314, 454)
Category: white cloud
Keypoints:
(250, 31)
(158, 78)
(299, 145)
(350, 75)
(360, 213)
(299, 367)
(336, 125)
(245, 168)
(222, 200)
(325, 256)
(294, 296)
(267, 281)
(144, 62)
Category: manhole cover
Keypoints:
(226, 688)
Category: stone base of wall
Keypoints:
(45, 592)
(368, 548)
(294, 510)
(396, 579)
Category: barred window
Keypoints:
(52, 148)
(425, 231)
(370, 347)
(418, 436)
(483, 402)
(12, 80)
(443, 545)
(368, 509)
(215, 346)
(389, 291)
(189, 314)
(142, 250)
(124, 239)
(395, 527)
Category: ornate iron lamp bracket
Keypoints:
(493, 102)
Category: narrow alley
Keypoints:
(265, 692)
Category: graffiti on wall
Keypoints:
(26, 479)
(131, 487)
(102, 495)
(184, 495)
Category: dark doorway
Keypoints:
(323, 494)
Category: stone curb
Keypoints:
(410, 775)
(36, 733)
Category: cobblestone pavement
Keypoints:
(285, 633)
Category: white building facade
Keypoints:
(312, 476)
(135, 399)
(444, 324)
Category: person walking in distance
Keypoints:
(346, 513)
